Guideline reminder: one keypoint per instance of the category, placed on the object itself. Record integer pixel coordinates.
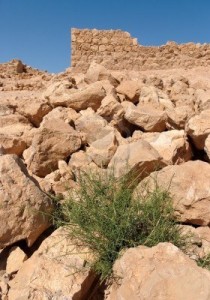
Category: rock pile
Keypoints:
(52, 126)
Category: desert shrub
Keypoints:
(104, 215)
(204, 262)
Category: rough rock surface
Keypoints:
(162, 272)
(56, 140)
(55, 271)
(23, 206)
(190, 190)
(139, 158)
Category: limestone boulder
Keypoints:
(79, 99)
(162, 272)
(12, 130)
(138, 158)
(188, 185)
(33, 109)
(97, 72)
(93, 126)
(130, 89)
(15, 260)
(178, 117)
(51, 143)
(172, 145)
(23, 206)
(198, 128)
(155, 97)
(146, 117)
(55, 271)
(101, 151)
(207, 146)
(110, 108)
(66, 114)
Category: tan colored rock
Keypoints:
(55, 271)
(12, 130)
(110, 108)
(207, 146)
(130, 89)
(23, 206)
(90, 96)
(139, 158)
(189, 187)
(33, 109)
(55, 141)
(179, 116)
(146, 117)
(101, 151)
(15, 260)
(162, 272)
(79, 160)
(198, 128)
(171, 145)
(66, 114)
(92, 125)
(97, 72)
(150, 95)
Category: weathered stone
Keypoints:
(110, 108)
(12, 130)
(90, 96)
(23, 206)
(55, 141)
(55, 271)
(101, 151)
(162, 272)
(178, 116)
(150, 95)
(146, 117)
(171, 145)
(189, 189)
(198, 128)
(98, 72)
(93, 126)
(15, 260)
(130, 89)
(34, 110)
(139, 158)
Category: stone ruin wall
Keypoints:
(117, 50)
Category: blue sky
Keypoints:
(38, 31)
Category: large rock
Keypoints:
(51, 143)
(172, 145)
(198, 128)
(162, 272)
(178, 116)
(139, 158)
(101, 151)
(189, 186)
(12, 130)
(110, 108)
(93, 126)
(24, 208)
(153, 96)
(90, 96)
(146, 117)
(33, 109)
(98, 72)
(130, 90)
(55, 271)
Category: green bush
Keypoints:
(105, 216)
(204, 262)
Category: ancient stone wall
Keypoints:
(117, 50)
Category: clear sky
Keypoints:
(38, 31)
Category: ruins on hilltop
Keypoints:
(117, 50)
